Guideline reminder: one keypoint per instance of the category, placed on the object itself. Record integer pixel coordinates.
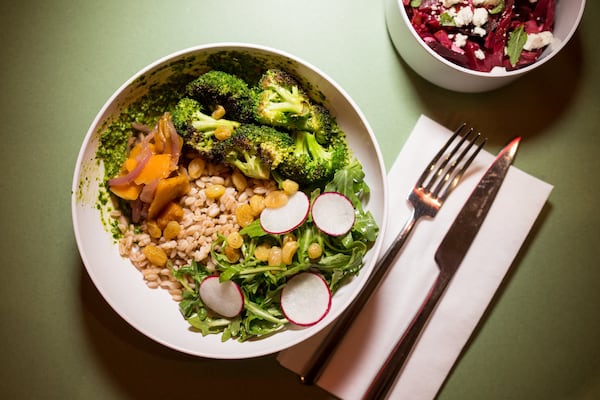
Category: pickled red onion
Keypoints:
(142, 159)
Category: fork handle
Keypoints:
(325, 350)
(386, 376)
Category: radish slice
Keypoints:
(333, 213)
(305, 299)
(224, 298)
(287, 217)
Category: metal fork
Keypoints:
(429, 193)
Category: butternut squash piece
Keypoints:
(127, 192)
(167, 190)
(171, 212)
(131, 161)
(158, 167)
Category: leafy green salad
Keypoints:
(261, 284)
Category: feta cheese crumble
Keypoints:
(463, 17)
(460, 40)
(480, 16)
(538, 40)
(479, 54)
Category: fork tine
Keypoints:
(438, 156)
(439, 173)
(453, 175)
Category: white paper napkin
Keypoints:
(390, 310)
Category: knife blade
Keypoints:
(449, 255)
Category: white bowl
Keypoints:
(152, 311)
(439, 71)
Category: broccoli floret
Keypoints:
(255, 150)
(281, 101)
(310, 163)
(321, 123)
(196, 128)
(215, 88)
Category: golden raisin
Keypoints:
(153, 229)
(223, 132)
(288, 250)
(244, 214)
(233, 255)
(196, 168)
(276, 199)
(289, 187)
(215, 191)
(257, 203)
(155, 255)
(235, 240)
(172, 230)
(314, 250)
(288, 237)
(262, 252)
(274, 259)
(218, 112)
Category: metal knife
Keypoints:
(448, 257)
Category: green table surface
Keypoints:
(61, 60)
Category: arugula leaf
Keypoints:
(516, 40)
(349, 181)
(208, 325)
(253, 229)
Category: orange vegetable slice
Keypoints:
(167, 190)
(127, 192)
(158, 167)
(131, 161)
(171, 212)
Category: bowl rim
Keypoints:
(497, 73)
(225, 46)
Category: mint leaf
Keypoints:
(516, 41)
(498, 8)
(447, 20)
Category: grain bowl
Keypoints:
(437, 69)
(116, 252)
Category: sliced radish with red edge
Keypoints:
(224, 298)
(333, 213)
(305, 299)
(288, 217)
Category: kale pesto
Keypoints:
(115, 135)
(113, 147)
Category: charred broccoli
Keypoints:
(310, 163)
(217, 88)
(281, 101)
(255, 150)
(275, 129)
(321, 124)
(198, 129)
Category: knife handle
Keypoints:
(386, 376)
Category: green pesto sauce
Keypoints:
(115, 135)
(114, 140)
